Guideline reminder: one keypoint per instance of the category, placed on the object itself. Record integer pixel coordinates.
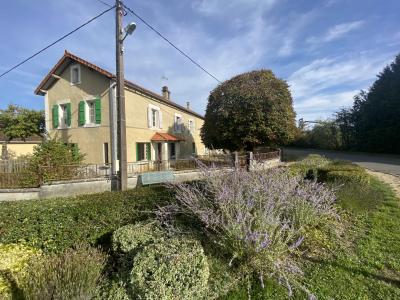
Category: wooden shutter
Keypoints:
(55, 116)
(68, 114)
(148, 151)
(81, 119)
(98, 110)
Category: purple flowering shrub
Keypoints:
(259, 219)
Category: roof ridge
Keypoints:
(111, 76)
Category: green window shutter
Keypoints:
(55, 116)
(148, 151)
(137, 151)
(98, 111)
(68, 114)
(81, 119)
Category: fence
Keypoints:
(12, 173)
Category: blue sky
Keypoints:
(327, 50)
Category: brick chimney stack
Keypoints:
(165, 92)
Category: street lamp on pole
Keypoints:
(122, 175)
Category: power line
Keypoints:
(165, 39)
(55, 42)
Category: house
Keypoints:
(18, 147)
(77, 97)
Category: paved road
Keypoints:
(377, 162)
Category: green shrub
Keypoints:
(308, 167)
(343, 172)
(13, 262)
(57, 224)
(52, 160)
(74, 274)
(172, 268)
(132, 237)
(112, 290)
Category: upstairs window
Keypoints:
(89, 112)
(178, 123)
(75, 74)
(61, 115)
(154, 116)
(191, 125)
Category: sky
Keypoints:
(327, 50)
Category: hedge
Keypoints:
(343, 172)
(56, 224)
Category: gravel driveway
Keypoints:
(384, 163)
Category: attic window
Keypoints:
(75, 74)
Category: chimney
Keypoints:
(188, 105)
(165, 92)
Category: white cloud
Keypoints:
(335, 32)
(229, 7)
(326, 84)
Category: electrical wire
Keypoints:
(165, 39)
(56, 41)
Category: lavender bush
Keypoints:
(258, 218)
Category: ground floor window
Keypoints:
(105, 152)
(172, 151)
(143, 151)
(194, 148)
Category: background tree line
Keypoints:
(372, 124)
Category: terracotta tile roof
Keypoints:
(165, 137)
(68, 58)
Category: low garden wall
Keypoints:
(80, 187)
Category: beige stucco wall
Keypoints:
(91, 140)
(18, 149)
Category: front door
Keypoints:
(159, 151)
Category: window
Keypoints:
(105, 153)
(89, 112)
(172, 150)
(191, 126)
(178, 123)
(143, 151)
(75, 74)
(194, 148)
(154, 117)
(61, 115)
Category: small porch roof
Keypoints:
(165, 137)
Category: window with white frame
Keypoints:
(63, 111)
(191, 125)
(75, 74)
(91, 112)
(178, 123)
(154, 117)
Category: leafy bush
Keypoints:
(132, 237)
(257, 218)
(56, 224)
(52, 160)
(173, 268)
(343, 172)
(13, 262)
(308, 167)
(74, 274)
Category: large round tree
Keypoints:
(251, 109)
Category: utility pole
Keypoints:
(122, 176)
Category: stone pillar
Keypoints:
(249, 160)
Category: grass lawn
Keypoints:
(363, 263)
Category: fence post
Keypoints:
(249, 160)
(280, 154)
(236, 160)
